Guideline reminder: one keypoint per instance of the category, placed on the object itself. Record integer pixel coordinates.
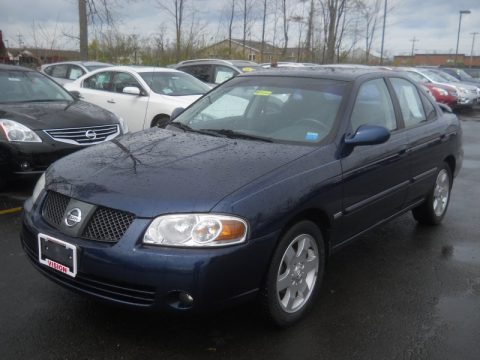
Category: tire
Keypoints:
(160, 121)
(432, 211)
(295, 274)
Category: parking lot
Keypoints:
(403, 291)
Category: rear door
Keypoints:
(375, 177)
(426, 135)
(96, 89)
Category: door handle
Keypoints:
(111, 101)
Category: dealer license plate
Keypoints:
(57, 254)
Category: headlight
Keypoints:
(463, 90)
(38, 188)
(442, 92)
(196, 230)
(18, 132)
(123, 125)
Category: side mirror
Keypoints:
(132, 90)
(368, 135)
(76, 94)
(176, 112)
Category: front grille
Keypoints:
(108, 225)
(54, 208)
(136, 295)
(84, 135)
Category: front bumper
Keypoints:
(31, 158)
(467, 100)
(130, 273)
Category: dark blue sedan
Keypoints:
(244, 194)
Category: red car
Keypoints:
(443, 94)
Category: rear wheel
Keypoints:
(432, 211)
(295, 274)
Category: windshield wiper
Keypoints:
(187, 128)
(180, 126)
(231, 134)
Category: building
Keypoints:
(436, 60)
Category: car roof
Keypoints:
(139, 68)
(14, 67)
(218, 61)
(332, 73)
(84, 63)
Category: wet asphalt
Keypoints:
(403, 291)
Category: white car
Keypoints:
(143, 96)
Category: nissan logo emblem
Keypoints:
(73, 217)
(90, 134)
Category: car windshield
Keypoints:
(464, 76)
(28, 86)
(437, 77)
(268, 108)
(174, 83)
(96, 67)
(447, 76)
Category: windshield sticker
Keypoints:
(13, 79)
(311, 136)
(262, 93)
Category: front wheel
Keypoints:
(432, 211)
(295, 274)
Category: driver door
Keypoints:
(375, 177)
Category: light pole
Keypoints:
(471, 51)
(383, 31)
(458, 36)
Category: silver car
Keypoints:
(68, 71)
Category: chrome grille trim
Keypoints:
(78, 136)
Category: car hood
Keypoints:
(55, 115)
(161, 171)
(178, 101)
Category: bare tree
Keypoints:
(96, 13)
(310, 30)
(370, 12)
(285, 25)
(333, 13)
(230, 27)
(176, 9)
(264, 22)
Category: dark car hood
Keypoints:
(161, 171)
(55, 115)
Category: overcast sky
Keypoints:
(433, 22)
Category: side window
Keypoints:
(59, 71)
(429, 109)
(373, 106)
(410, 103)
(201, 72)
(75, 72)
(223, 73)
(122, 80)
(99, 81)
(48, 70)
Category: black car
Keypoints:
(216, 71)
(41, 122)
(246, 193)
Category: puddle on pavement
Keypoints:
(461, 253)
